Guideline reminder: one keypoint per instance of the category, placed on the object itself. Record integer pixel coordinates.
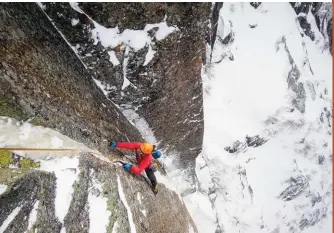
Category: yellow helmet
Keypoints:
(146, 147)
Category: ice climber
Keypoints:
(144, 153)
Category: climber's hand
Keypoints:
(113, 144)
(126, 166)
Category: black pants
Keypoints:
(151, 176)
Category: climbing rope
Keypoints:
(37, 149)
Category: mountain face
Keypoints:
(77, 75)
(266, 164)
(322, 12)
(44, 82)
(148, 58)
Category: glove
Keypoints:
(126, 166)
(113, 144)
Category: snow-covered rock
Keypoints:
(266, 164)
(81, 191)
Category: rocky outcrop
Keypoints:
(296, 187)
(167, 91)
(42, 79)
(294, 84)
(96, 179)
(322, 12)
(239, 147)
(23, 194)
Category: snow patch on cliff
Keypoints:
(126, 205)
(98, 208)
(2, 188)
(10, 218)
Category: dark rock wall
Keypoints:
(176, 110)
(41, 77)
(24, 193)
(168, 91)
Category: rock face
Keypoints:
(167, 91)
(322, 12)
(23, 194)
(42, 78)
(96, 179)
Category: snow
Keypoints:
(33, 216)
(101, 86)
(140, 123)
(163, 29)
(98, 212)
(191, 229)
(143, 212)
(113, 58)
(25, 131)
(40, 4)
(125, 203)
(114, 228)
(200, 208)
(126, 81)
(76, 7)
(240, 96)
(149, 55)
(9, 219)
(66, 171)
(135, 39)
(56, 142)
(35, 137)
(2, 188)
(139, 197)
(74, 21)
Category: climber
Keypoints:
(144, 153)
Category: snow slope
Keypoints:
(246, 93)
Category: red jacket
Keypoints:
(143, 160)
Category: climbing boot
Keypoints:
(155, 189)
